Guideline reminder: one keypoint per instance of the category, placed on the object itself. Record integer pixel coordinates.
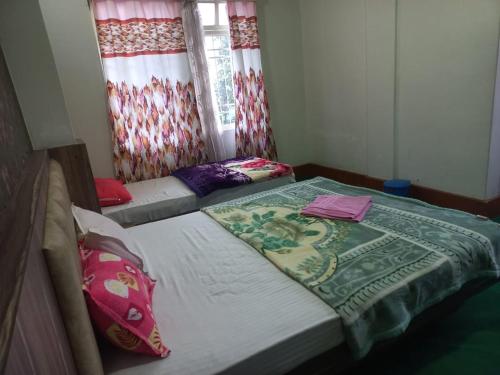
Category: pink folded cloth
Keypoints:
(339, 207)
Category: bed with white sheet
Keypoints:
(166, 197)
(222, 307)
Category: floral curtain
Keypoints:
(153, 109)
(254, 136)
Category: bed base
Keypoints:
(339, 359)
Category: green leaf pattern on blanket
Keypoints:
(405, 256)
(260, 227)
(310, 265)
(304, 247)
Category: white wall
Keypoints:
(380, 80)
(349, 73)
(26, 46)
(281, 48)
(447, 53)
(71, 33)
(493, 184)
(335, 81)
(402, 88)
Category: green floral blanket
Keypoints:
(378, 274)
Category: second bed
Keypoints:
(166, 197)
(193, 188)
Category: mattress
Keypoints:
(221, 307)
(166, 197)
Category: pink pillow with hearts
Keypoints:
(119, 299)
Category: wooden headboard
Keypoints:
(33, 339)
(15, 146)
(32, 335)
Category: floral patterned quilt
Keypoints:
(378, 274)
(259, 169)
(204, 179)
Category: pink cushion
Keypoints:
(119, 299)
(111, 192)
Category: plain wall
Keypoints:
(72, 37)
(31, 64)
(447, 54)
(402, 89)
(380, 81)
(335, 81)
(493, 183)
(349, 83)
(281, 49)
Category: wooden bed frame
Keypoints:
(32, 336)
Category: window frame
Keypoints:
(217, 26)
(216, 30)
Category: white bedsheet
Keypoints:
(168, 196)
(223, 307)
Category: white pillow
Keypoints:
(104, 234)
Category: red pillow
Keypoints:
(111, 192)
(119, 299)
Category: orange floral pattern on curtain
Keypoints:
(156, 129)
(139, 36)
(253, 133)
(244, 32)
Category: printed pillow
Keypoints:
(111, 192)
(119, 300)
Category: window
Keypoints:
(218, 51)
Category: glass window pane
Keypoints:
(221, 76)
(207, 12)
(223, 14)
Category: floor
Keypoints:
(468, 342)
